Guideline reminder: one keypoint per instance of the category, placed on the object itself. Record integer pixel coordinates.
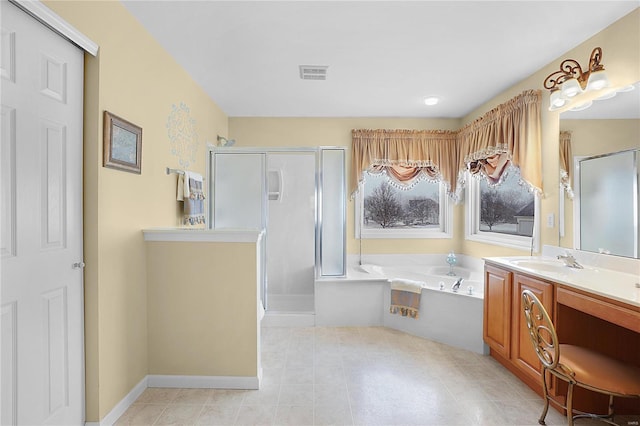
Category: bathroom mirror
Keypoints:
(598, 133)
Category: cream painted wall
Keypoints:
(202, 308)
(134, 78)
(593, 137)
(310, 132)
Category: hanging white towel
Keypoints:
(407, 285)
(190, 191)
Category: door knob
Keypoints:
(78, 265)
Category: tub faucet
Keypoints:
(456, 285)
(570, 261)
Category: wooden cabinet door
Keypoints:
(496, 330)
(522, 354)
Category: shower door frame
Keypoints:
(317, 151)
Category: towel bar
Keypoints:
(176, 171)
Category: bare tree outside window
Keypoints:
(386, 206)
(507, 208)
(383, 206)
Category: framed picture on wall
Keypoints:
(122, 144)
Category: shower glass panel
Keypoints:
(239, 197)
(332, 201)
(291, 230)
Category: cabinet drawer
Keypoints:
(615, 314)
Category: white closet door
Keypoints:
(42, 362)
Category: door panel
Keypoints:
(497, 310)
(42, 328)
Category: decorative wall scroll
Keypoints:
(181, 129)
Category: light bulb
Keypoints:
(556, 101)
(597, 81)
(570, 88)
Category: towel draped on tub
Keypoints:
(405, 297)
(190, 190)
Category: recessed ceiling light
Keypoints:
(431, 100)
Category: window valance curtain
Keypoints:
(404, 155)
(510, 133)
(566, 156)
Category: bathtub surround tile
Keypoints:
(355, 376)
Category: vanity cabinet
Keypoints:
(581, 317)
(505, 327)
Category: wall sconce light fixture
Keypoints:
(571, 80)
(226, 142)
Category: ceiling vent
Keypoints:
(313, 72)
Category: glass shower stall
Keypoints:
(298, 196)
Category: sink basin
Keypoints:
(541, 265)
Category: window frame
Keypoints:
(444, 231)
(472, 222)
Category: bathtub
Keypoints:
(362, 298)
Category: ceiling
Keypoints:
(383, 57)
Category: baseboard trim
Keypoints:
(122, 406)
(207, 382)
(162, 381)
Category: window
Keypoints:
(386, 211)
(504, 214)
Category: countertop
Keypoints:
(611, 284)
(203, 235)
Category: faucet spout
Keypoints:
(570, 261)
(456, 285)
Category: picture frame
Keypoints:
(122, 144)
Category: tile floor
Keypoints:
(354, 376)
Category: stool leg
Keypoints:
(610, 412)
(570, 404)
(546, 397)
